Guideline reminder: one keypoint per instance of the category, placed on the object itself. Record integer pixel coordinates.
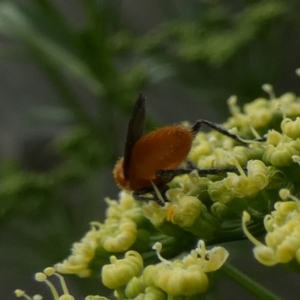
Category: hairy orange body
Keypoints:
(163, 149)
(155, 157)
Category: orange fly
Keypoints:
(155, 157)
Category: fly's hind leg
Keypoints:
(196, 127)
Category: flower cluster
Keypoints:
(208, 207)
(246, 176)
(122, 228)
(185, 276)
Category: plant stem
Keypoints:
(247, 283)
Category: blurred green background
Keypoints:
(70, 73)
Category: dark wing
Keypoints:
(134, 131)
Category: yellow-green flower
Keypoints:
(280, 149)
(240, 185)
(282, 241)
(82, 253)
(243, 185)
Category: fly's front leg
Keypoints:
(159, 195)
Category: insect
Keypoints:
(152, 160)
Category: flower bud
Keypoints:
(219, 192)
(177, 279)
(291, 128)
(120, 272)
(240, 154)
(126, 207)
(150, 273)
(90, 297)
(259, 112)
(152, 293)
(135, 287)
(202, 148)
(186, 211)
(274, 137)
(19, 293)
(221, 211)
(118, 235)
(265, 255)
(66, 297)
(290, 104)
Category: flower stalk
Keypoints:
(247, 283)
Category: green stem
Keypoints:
(247, 283)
